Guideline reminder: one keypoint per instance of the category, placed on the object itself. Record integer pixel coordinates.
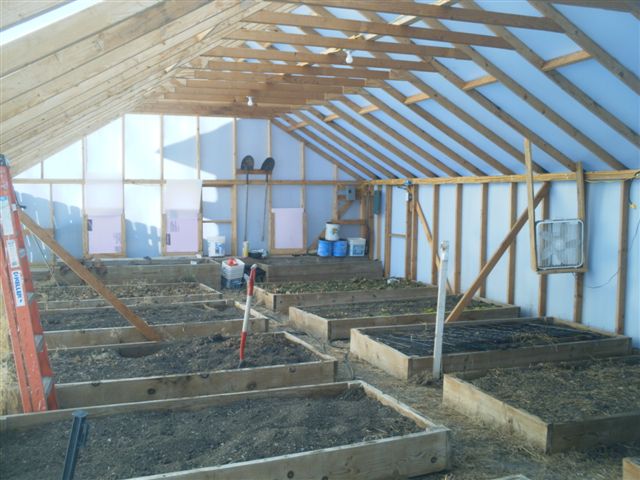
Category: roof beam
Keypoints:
(564, 83)
(291, 88)
(296, 70)
(314, 58)
(277, 78)
(13, 12)
(378, 28)
(345, 43)
(596, 51)
(441, 12)
(291, 101)
(230, 91)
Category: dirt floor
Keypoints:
(340, 285)
(418, 341)
(568, 391)
(149, 443)
(397, 307)
(480, 451)
(102, 317)
(55, 293)
(202, 354)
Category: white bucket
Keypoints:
(215, 246)
(356, 246)
(332, 232)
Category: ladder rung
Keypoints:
(39, 342)
(47, 383)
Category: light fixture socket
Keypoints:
(250, 101)
(349, 57)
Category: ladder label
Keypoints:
(12, 252)
(18, 288)
(5, 216)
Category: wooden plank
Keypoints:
(149, 332)
(329, 329)
(483, 237)
(623, 249)
(387, 358)
(14, 12)
(387, 229)
(408, 455)
(310, 268)
(430, 241)
(466, 298)
(457, 272)
(531, 209)
(631, 468)
(379, 28)
(543, 279)
(579, 275)
(280, 302)
(346, 43)
(435, 264)
(140, 389)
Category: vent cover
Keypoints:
(559, 244)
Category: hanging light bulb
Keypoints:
(250, 101)
(349, 59)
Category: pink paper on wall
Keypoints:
(182, 231)
(288, 226)
(104, 234)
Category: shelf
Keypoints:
(253, 172)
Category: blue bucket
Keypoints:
(340, 248)
(324, 248)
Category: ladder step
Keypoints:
(47, 383)
(39, 342)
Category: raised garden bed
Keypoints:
(335, 431)
(185, 368)
(556, 407)
(148, 270)
(407, 351)
(631, 468)
(77, 327)
(311, 267)
(54, 297)
(333, 322)
(280, 296)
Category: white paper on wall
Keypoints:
(104, 234)
(182, 195)
(288, 226)
(181, 231)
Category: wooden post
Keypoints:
(149, 332)
(408, 251)
(427, 233)
(457, 273)
(234, 189)
(495, 258)
(543, 279)
(623, 248)
(531, 209)
(483, 234)
(387, 229)
(440, 311)
(414, 233)
(579, 276)
(436, 231)
(513, 212)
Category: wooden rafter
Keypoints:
(13, 12)
(296, 70)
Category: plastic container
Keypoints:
(325, 248)
(332, 232)
(340, 248)
(357, 246)
(232, 272)
(215, 246)
(235, 283)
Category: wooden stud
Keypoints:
(483, 234)
(457, 272)
(513, 212)
(436, 230)
(543, 279)
(531, 211)
(427, 232)
(623, 248)
(234, 189)
(579, 275)
(495, 258)
(387, 228)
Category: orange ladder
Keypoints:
(35, 377)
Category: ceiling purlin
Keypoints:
(282, 125)
(597, 52)
(536, 103)
(563, 82)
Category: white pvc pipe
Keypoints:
(442, 301)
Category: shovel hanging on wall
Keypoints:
(246, 164)
(267, 166)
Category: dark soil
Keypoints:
(568, 391)
(203, 354)
(397, 307)
(102, 317)
(148, 443)
(309, 260)
(418, 341)
(55, 293)
(340, 285)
